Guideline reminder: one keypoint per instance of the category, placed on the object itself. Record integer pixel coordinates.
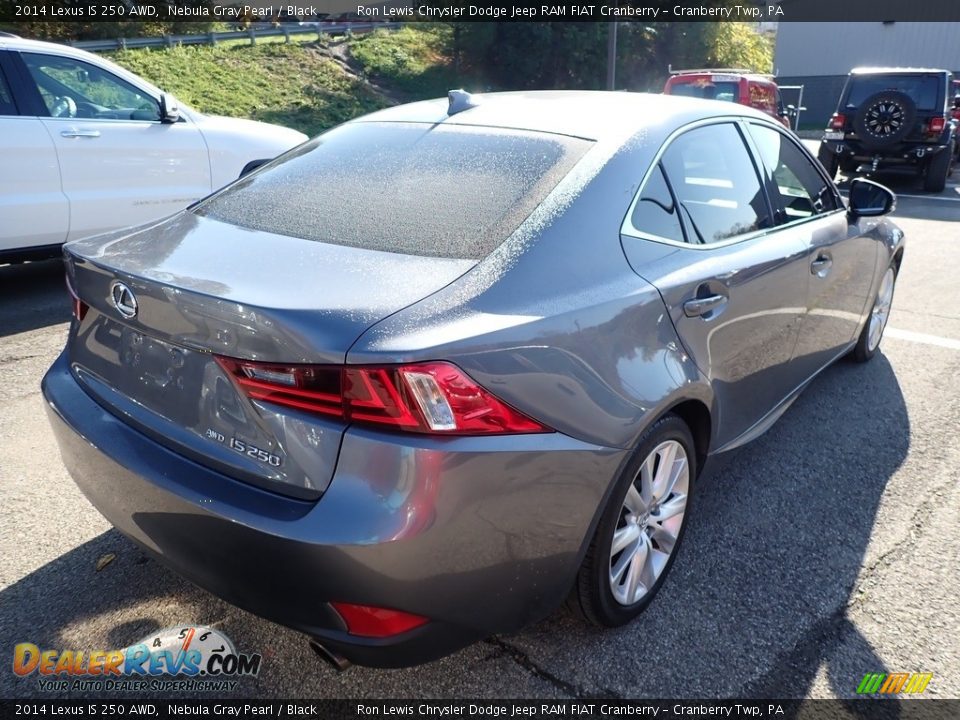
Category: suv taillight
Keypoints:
(837, 121)
(936, 125)
(431, 397)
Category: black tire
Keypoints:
(885, 118)
(592, 597)
(829, 160)
(938, 170)
(862, 352)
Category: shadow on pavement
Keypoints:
(32, 295)
(756, 605)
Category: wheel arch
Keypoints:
(696, 415)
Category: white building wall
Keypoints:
(834, 48)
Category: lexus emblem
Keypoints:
(123, 299)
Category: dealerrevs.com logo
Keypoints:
(186, 658)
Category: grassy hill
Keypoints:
(308, 86)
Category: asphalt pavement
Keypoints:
(826, 549)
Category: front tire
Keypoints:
(636, 541)
(872, 332)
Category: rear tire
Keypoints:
(647, 516)
(872, 333)
(938, 170)
(829, 160)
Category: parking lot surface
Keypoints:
(826, 549)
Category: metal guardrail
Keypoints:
(212, 38)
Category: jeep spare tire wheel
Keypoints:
(885, 118)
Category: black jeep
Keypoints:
(890, 118)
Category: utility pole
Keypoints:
(611, 56)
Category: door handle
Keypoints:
(821, 266)
(73, 133)
(701, 306)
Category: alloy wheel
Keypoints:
(881, 310)
(884, 119)
(650, 522)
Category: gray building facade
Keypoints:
(819, 56)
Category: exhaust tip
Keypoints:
(331, 657)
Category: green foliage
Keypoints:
(559, 55)
(414, 62)
(293, 85)
(739, 45)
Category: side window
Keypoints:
(716, 184)
(655, 212)
(72, 88)
(802, 189)
(6, 98)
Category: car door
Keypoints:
(735, 287)
(840, 259)
(33, 208)
(120, 165)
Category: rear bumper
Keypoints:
(895, 155)
(481, 535)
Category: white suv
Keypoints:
(88, 147)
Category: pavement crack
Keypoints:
(522, 659)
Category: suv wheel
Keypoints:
(885, 118)
(938, 169)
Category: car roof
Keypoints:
(590, 114)
(13, 42)
(895, 70)
(684, 75)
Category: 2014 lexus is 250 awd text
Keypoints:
(422, 378)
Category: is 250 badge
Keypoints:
(245, 448)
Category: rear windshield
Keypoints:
(924, 90)
(418, 189)
(708, 90)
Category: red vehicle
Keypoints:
(736, 85)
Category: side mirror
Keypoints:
(870, 199)
(169, 108)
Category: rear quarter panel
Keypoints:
(555, 322)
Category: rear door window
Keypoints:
(924, 90)
(716, 184)
(708, 89)
(435, 190)
(656, 213)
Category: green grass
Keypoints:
(293, 85)
(412, 63)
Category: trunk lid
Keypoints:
(201, 287)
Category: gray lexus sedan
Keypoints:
(426, 376)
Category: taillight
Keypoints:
(77, 306)
(431, 397)
(837, 121)
(374, 622)
(936, 125)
